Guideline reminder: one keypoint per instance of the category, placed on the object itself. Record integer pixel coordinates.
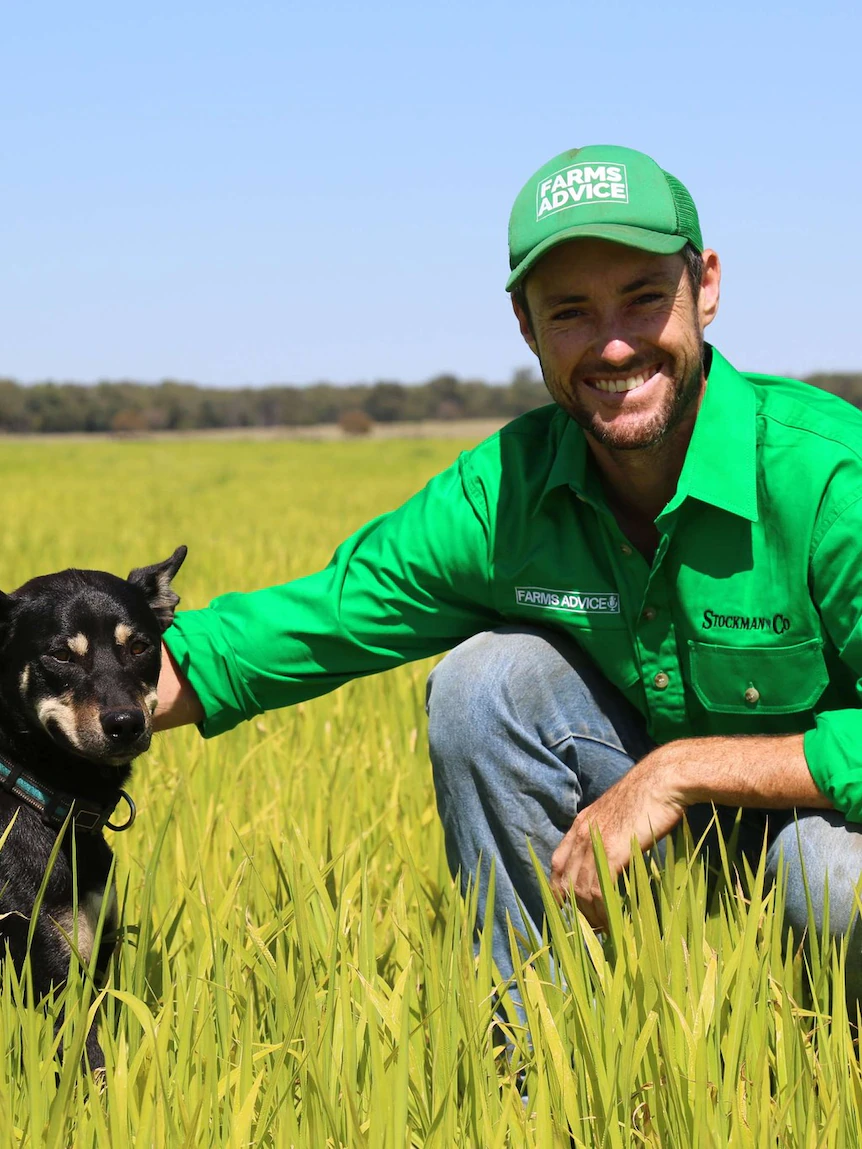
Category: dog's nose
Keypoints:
(123, 725)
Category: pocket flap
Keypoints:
(758, 679)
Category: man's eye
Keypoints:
(650, 297)
(139, 646)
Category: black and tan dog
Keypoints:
(80, 653)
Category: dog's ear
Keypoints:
(7, 610)
(155, 582)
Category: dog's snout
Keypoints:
(123, 726)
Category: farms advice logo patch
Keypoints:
(571, 601)
(580, 184)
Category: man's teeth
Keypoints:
(629, 384)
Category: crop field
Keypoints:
(296, 965)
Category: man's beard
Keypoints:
(676, 404)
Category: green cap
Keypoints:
(602, 193)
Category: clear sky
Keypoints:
(278, 192)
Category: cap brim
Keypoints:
(658, 242)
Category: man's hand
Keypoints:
(763, 771)
(641, 806)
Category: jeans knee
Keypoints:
(495, 683)
(531, 687)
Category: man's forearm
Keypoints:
(178, 703)
(766, 771)
(763, 771)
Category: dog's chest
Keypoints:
(91, 907)
(82, 931)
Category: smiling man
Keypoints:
(650, 585)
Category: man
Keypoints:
(651, 585)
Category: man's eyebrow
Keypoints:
(654, 279)
(556, 300)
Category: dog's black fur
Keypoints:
(80, 653)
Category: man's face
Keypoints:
(619, 335)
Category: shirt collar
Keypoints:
(720, 464)
(569, 465)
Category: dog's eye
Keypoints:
(139, 646)
(61, 654)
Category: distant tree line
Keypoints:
(847, 385)
(128, 407)
(173, 406)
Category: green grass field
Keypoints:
(297, 968)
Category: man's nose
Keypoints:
(616, 351)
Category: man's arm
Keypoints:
(178, 703)
(765, 771)
(407, 585)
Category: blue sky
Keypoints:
(275, 192)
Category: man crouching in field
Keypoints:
(652, 585)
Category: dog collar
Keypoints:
(56, 806)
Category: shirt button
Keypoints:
(661, 681)
(752, 695)
(626, 549)
(649, 613)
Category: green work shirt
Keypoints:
(746, 622)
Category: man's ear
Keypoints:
(525, 325)
(155, 582)
(710, 288)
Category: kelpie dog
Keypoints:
(80, 654)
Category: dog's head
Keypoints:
(81, 654)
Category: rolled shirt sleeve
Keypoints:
(409, 584)
(833, 749)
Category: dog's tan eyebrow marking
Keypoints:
(24, 680)
(122, 633)
(78, 644)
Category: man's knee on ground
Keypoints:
(820, 853)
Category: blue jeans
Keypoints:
(524, 732)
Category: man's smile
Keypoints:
(616, 385)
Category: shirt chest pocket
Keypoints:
(758, 679)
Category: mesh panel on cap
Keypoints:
(687, 223)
